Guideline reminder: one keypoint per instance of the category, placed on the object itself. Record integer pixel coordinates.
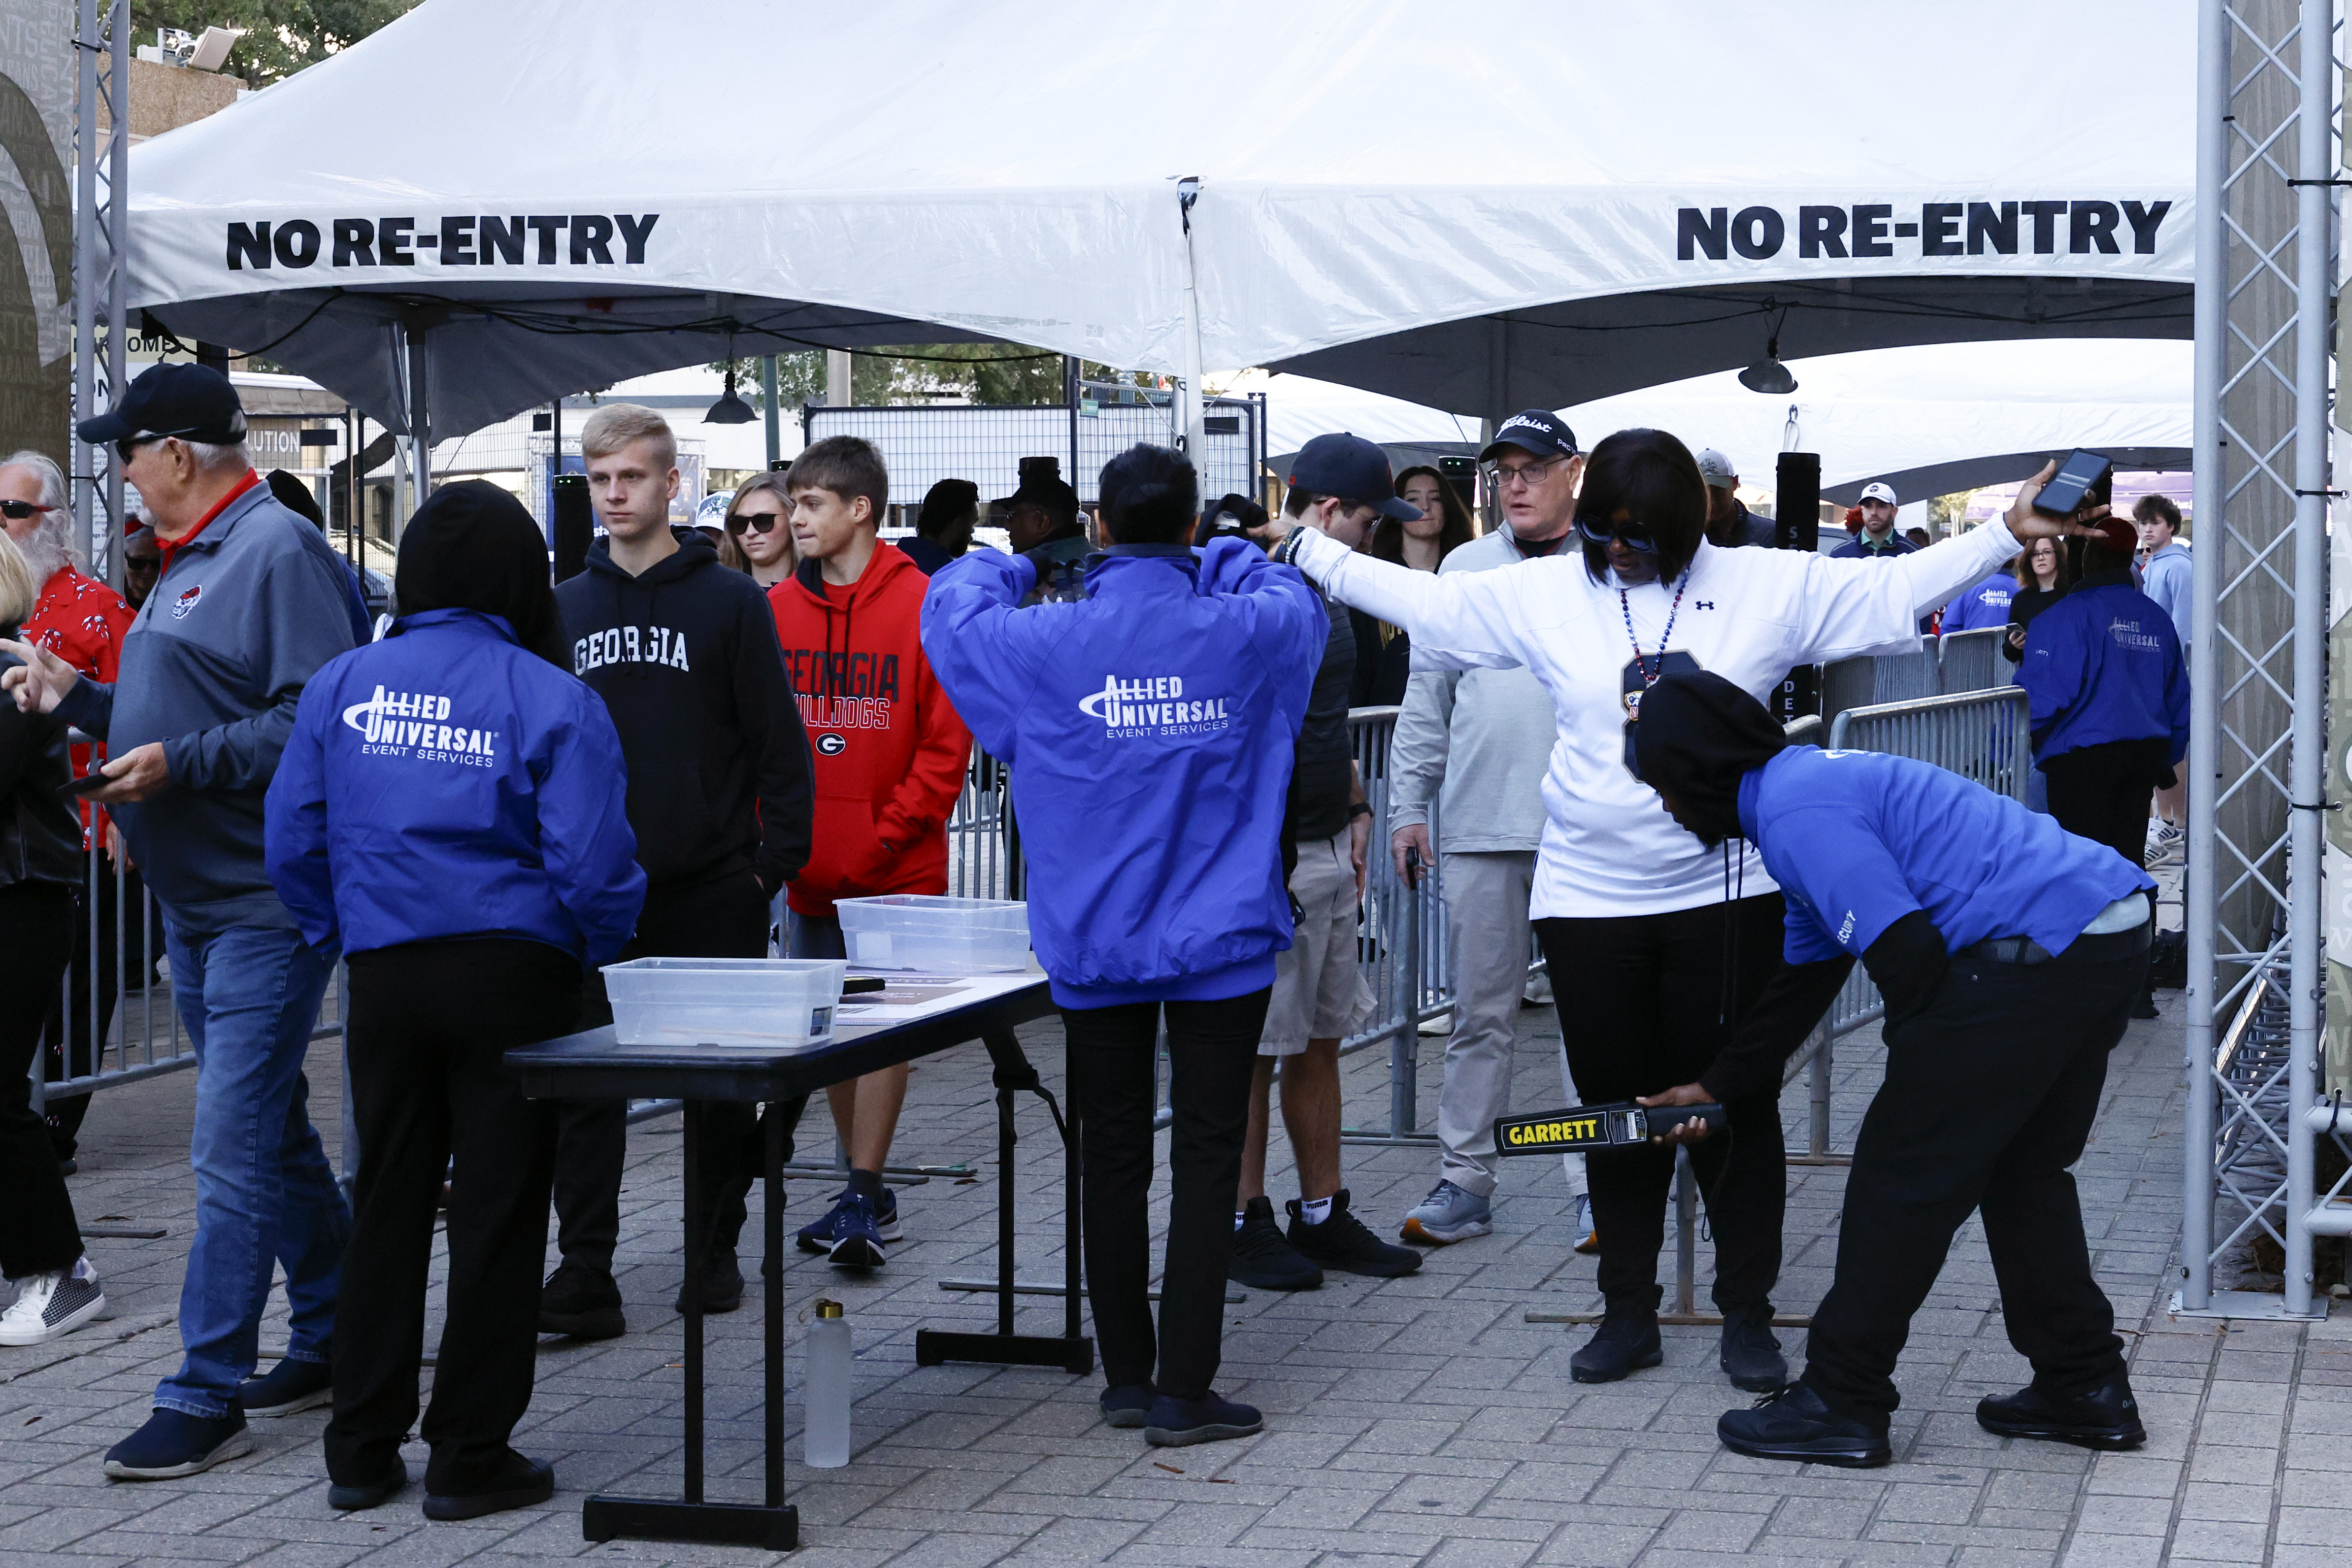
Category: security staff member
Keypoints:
(2010, 953)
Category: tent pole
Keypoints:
(1188, 396)
(420, 410)
(768, 404)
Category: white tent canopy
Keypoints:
(1467, 205)
(1930, 421)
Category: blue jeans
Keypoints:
(814, 936)
(265, 1193)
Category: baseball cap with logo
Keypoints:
(1717, 469)
(193, 402)
(1879, 491)
(1537, 430)
(1353, 469)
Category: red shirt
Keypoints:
(169, 546)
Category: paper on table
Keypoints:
(910, 995)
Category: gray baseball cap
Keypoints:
(1717, 469)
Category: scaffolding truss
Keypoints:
(101, 176)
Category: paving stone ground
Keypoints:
(1419, 1421)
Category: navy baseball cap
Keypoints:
(193, 402)
(1353, 469)
(1536, 431)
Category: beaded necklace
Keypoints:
(1641, 662)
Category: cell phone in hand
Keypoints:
(2081, 478)
(88, 785)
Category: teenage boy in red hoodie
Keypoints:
(890, 756)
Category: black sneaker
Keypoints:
(289, 1388)
(1751, 1357)
(1626, 1340)
(519, 1483)
(370, 1494)
(1795, 1425)
(1128, 1404)
(1344, 1243)
(583, 1302)
(1263, 1259)
(1176, 1423)
(722, 1284)
(2105, 1416)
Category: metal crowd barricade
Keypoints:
(1972, 661)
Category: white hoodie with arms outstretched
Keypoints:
(1749, 616)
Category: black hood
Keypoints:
(1698, 736)
(472, 546)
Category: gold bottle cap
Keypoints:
(825, 1308)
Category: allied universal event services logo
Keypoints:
(396, 723)
(460, 239)
(1154, 705)
(1869, 230)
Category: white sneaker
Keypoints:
(2167, 845)
(51, 1306)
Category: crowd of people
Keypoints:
(515, 782)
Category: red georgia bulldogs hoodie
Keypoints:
(891, 751)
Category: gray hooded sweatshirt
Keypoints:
(245, 614)
(1482, 736)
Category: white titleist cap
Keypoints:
(1879, 492)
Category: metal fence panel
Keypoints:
(1983, 736)
(1972, 661)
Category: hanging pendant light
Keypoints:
(1769, 375)
(730, 409)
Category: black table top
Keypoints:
(592, 1065)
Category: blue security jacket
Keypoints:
(1858, 839)
(1986, 605)
(444, 782)
(2104, 664)
(1149, 729)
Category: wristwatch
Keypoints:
(1357, 808)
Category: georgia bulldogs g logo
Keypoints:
(831, 745)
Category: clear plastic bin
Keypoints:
(940, 935)
(750, 1004)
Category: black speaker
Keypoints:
(1796, 525)
(575, 525)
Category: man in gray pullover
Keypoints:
(250, 605)
(1485, 737)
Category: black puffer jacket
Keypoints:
(39, 839)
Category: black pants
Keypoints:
(68, 1042)
(429, 1023)
(720, 919)
(2100, 793)
(1642, 1008)
(38, 1233)
(1211, 1053)
(1990, 1095)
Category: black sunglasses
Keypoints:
(753, 522)
(130, 444)
(18, 510)
(1632, 535)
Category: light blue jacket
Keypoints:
(2165, 580)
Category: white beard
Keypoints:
(46, 551)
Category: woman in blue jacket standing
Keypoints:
(1148, 730)
(449, 813)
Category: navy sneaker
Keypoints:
(1128, 1404)
(519, 1483)
(175, 1444)
(858, 1238)
(288, 1387)
(1795, 1425)
(820, 1234)
(1175, 1423)
(370, 1494)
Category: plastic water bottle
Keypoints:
(826, 1391)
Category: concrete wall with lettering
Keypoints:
(36, 101)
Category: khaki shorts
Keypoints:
(1319, 992)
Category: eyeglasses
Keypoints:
(130, 444)
(1529, 474)
(1632, 535)
(18, 510)
(753, 522)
